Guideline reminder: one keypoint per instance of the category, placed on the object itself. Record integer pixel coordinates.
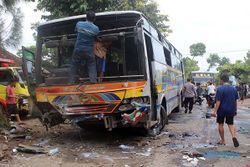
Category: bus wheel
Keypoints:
(180, 105)
(162, 121)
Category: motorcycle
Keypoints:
(211, 100)
(199, 100)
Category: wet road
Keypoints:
(186, 136)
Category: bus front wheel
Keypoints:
(159, 126)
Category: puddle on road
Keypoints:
(221, 154)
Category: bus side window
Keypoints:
(167, 56)
(158, 51)
(149, 47)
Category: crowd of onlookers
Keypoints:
(210, 89)
(223, 100)
(243, 90)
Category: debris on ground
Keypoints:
(53, 151)
(16, 131)
(162, 134)
(191, 158)
(193, 145)
(94, 155)
(145, 152)
(126, 147)
(3, 149)
(182, 136)
(42, 142)
(30, 149)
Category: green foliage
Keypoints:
(10, 31)
(198, 49)
(247, 59)
(189, 66)
(224, 61)
(48, 55)
(214, 60)
(60, 9)
(240, 69)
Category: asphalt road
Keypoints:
(188, 140)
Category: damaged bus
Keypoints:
(140, 87)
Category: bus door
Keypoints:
(153, 115)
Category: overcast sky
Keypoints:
(222, 25)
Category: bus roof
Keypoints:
(136, 13)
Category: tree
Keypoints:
(224, 61)
(247, 59)
(10, 29)
(189, 66)
(213, 60)
(58, 9)
(198, 49)
(240, 69)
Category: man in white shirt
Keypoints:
(210, 91)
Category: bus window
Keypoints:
(153, 32)
(174, 60)
(115, 59)
(158, 52)
(56, 56)
(167, 56)
(131, 56)
(149, 48)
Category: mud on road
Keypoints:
(188, 140)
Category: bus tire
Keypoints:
(156, 129)
(180, 105)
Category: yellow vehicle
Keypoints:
(6, 74)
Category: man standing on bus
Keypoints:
(189, 94)
(84, 46)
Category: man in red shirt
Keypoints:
(11, 99)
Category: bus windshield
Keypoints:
(122, 58)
